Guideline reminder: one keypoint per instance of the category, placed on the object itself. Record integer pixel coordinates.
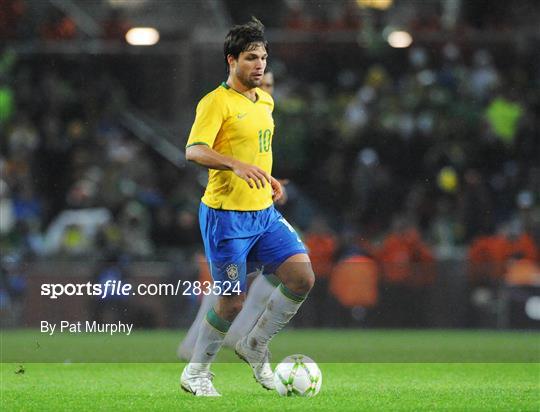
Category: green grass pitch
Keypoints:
(362, 371)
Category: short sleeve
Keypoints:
(208, 120)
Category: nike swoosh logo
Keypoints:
(241, 115)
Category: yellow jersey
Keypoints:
(235, 126)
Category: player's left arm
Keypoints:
(277, 190)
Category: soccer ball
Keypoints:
(298, 375)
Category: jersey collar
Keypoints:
(226, 86)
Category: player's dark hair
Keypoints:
(243, 38)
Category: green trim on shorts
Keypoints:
(218, 323)
(272, 279)
(290, 294)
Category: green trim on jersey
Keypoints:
(226, 86)
(196, 144)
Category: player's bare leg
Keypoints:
(196, 377)
(257, 297)
(297, 279)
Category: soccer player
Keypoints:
(232, 137)
(259, 291)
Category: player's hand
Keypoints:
(284, 197)
(277, 190)
(253, 175)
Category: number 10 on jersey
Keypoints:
(265, 140)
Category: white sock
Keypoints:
(185, 350)
(281, 307)
(257, 298)
(211, 333)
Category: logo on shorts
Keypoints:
(232, 271)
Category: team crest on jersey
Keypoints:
(232, 271)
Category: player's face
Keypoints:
(250, 66)
(268, 83)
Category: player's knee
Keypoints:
(230, 312)
(236, 307)
(308, 281)
(303, 282)
(229, 308)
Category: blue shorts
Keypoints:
(236, 243)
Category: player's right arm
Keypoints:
(208, 157)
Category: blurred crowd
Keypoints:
(434, 158)
(27, 19)
(74, 182)
(449, 140)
